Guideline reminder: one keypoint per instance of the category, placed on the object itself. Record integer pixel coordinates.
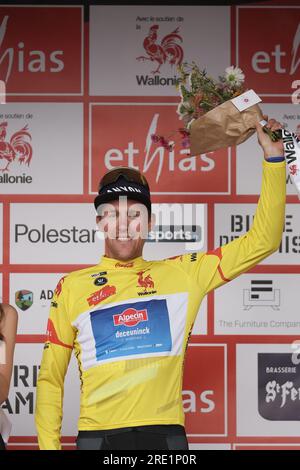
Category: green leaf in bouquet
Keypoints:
(194, 81)
(186, 95)
(182, 109)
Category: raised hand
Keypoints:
(270, 148)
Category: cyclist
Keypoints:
(128, 320)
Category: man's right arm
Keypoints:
(54, 365)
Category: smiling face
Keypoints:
(125, 224)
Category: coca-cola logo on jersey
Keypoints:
(121, 136)
(270, 60)
(35, 61)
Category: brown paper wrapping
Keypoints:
(222, 127)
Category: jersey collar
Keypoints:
(111, 263)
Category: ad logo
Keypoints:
(16, 149)
(101, 295)
(130, 317)
(24, 299)
(169, 172)
(145, 282)
(261, 293)
(32, 61)
(271, 63)
(124, 265)
(168, 50)
(278, 387)
(100, 281)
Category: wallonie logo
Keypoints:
(270, 62)
(35, 61)
(16, 149)
(165, 51)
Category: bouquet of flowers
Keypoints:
(210, 119)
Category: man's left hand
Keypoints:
(270, 148)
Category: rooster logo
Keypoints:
(17, 149)
(145, 282)
(168, 51)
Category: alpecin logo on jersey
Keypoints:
(130, 317)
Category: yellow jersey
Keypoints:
(129, 324)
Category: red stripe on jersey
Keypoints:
(218, 252)
(52, 335)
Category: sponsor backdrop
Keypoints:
(86, 99)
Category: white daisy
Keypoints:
(234, 75)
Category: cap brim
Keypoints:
(103, 198)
